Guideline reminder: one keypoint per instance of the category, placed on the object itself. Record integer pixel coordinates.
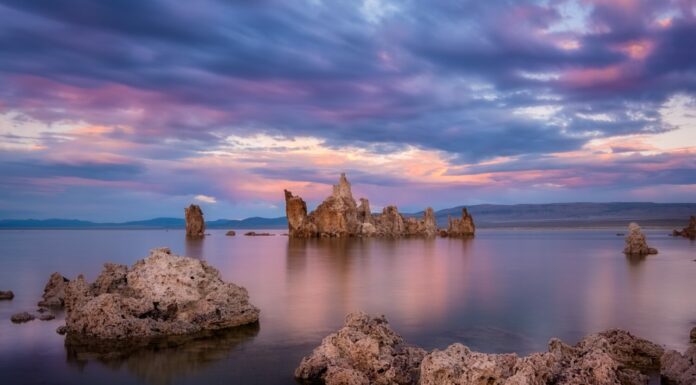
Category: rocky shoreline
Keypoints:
(340, 216)
(367, 351)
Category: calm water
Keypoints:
(504, 291)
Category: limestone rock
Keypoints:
(195, 224)
(47, 317)
(679, 369)
(255, 234)
(692, 336)
(340, 216)
(367, 351)
(689, 231)
(62, 330)
(22, 317)
(364, 351)
(54, 291)
(231, 233)
(6, 295)
(461, 227)
(163, 294)
(636, 243)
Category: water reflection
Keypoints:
(194, 247)
(163, 361)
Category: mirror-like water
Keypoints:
(504, 291)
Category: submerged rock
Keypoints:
(692, 336)
(636, 243)
(54, 291)
(688, 231)
(195, 224)
(231, 233)
(255, 234)
(22, 317)
(47, 317)
(461, 227)
(364, 351)
(163, 294)
(340, 216)
(6, 295)
(367, 351)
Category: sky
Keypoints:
(133, 109)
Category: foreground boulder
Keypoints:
(636, 243)
(677, 368)
(6, 295)
(340, 216)
(195, 224)
(54, 291)
(688, 231)
(367, 351)
(161, 295)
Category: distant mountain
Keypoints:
(485, 216)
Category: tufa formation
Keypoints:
(687, 232)
(636, 244)
(339, 216)
(367, 351)
(195, 225)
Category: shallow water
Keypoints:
(504, 291)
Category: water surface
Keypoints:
(504, 291)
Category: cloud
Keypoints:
(205, 199)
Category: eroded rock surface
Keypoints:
(461, 227)
(339, 215)
(636, 243)
(688, 231)
(364, 351)
(22, 317)
(679, 369)
(163, 294)
(367, 351)
(6, 295)
(54, 291)
(195, 224)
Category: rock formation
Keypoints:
(22, 317)
(636, 244)
(231, 233)
(367, 351)
(340, 216)
(54, 292)
(364, 351)
(688, 231)
(195, 224)
(255, 234)
(677, 368)
(461, 227)
(6, 295)
(161, 295)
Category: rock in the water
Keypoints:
(693, 336)
(54, 291)
(195, 224)
(22, 317)
(255, 234)
(340, 216)
(688, 231)
(364, 351)
(367, 351)
(47, 317)
(461, 227)
(231, 233)
(679, 369)
(163, 294)
(62, 329)
(636, 243)
(6, 295)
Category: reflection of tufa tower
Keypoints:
(195, 224)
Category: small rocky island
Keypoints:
(636, 243)
(688, 231)
(195, 224)
(367, 351)
(161, 295)
(340, 216)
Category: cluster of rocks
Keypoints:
(367, 351)
(161, 295)
(688, 231)
(636, 243)
(339, 215)
(195, 224)
(53, 299)
(255, 234)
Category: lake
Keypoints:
(503, 291)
